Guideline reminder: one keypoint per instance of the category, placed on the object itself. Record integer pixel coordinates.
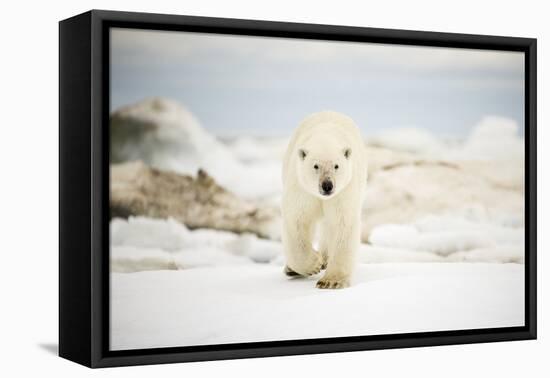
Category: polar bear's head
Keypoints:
(324, 168)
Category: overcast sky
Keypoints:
(265, 86)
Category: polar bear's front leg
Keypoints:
(343, 244)
(324, 242)
(298, 232)
(301, 258)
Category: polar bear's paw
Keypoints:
(289, 272)
(333, 283)
(309, 267)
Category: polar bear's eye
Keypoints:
(316, 167)
(336, 166)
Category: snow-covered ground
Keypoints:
(255, 302)
(171, 286)
(443, 234)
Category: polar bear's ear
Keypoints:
(302, 153)
(347, 152)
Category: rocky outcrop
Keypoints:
(197, 202)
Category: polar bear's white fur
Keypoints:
(324, 179)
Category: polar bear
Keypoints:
(324, 180)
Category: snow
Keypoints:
(256, 302)
(141, 243)
(446, 235)
(148, 233)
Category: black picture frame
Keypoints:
(84, 188)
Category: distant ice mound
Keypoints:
(408, 139)
(492, 138)
(163, 134)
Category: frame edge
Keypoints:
(75, 338)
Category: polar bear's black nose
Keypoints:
(327, 187)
